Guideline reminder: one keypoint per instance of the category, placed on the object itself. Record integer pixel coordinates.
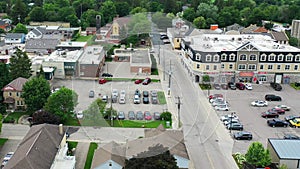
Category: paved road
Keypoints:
(208, 142)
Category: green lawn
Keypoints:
(90, 155)
(71, 145)
(71, 121)
(83, 38)
(14, 116)
(293, 86)
(139, 123)
(161, 97)
(3, 141)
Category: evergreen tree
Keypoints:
(20, 65)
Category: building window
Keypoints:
(263, 57)
(272, 57)
(223, 57)
(198, 66)
(230, 66)
(280, 57)
(198, 56)
(17, 94)
(289, 58)
(243, 57)
(18, 103)
(261, 67)
(252, 57)
(297, 58)
(242, 67)
(231, 57)
(251, 67)
(287, 67)
(270, 67)
(207, 67)
(296, 67)
(278, 67)
(216, 58)
(10, 94)
(262, 78)
(222, 66)
(215, 67)
(208, 58)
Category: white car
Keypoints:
(248, 86)
(219, 102)
(284, 107)
(115, 92)
(231, 121)
(79, 114)
(222, 107)
(8, 156)
(216, 99)
(122, 100)
(259, 103)
(122, 93)
(136, 99)
(228, 116)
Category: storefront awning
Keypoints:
(246, 74)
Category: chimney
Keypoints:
(60, 129)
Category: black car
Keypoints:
(235, 126)
(154, 100)
(145, 94)
(156, 116)
(243, 135)
(232, 86)
(277, 123)
(276, 86)
(146, 100)
(272, 97)
(106, 75)
(291, 137)
(139, 115)
(131, 115)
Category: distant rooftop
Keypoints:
(285, 148)
(64, 56)
(92, 55)
(140, 57)
(72, 44)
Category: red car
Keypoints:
(146, 81)
(138, 81)
(278, 110)
(215, 96)
(102, 81)
(269, 114)
(147, 115)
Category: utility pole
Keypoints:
(111, 113)
(178, 107)
(170, 74)
(164, 66)
(158, 53)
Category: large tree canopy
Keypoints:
(20, 65)
(257, 155)
(35, 93)
(62, 103)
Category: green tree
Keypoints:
(42, 116)
(139, 24)
(20, 28)
(200, 22)
(189, 14)
(35, 93)
(122, 8)
(2, 31)
(205, 78)
(19, 12)
(257, 155)
(37, 14)
(161, 20)
(207, 11)
(137, 10)
(62, 103)
(66, 12)
(20, 65)
(88, 18)
(1, 118)
(155, 158)
(109, 9)
(4, 75)
(167, 116)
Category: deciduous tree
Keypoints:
(20, 65)
(257, 155)
(20, 28)
(42, 116)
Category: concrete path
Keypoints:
(81, 153)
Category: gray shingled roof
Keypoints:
(41, 44)
(279, 36)
(38, 148)
(36, 32)
(17, 84)
(14, 35)
(286, 149)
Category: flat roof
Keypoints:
(72, 44)
(286, 148)
(140, 56)
(64, 56)
(92, 55)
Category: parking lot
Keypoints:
(239, 102)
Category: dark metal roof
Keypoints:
(286, 148)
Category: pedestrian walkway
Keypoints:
(81, 153)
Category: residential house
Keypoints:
(244, 57)
(35, 33)
(113, 155)
(41, 46)
(5, 26)
(43, 147)
(12, 94)
(284, 152)
(14, 38)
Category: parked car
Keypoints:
(224, 86)
(216, 99)
(272, 97)
(232, 86)
(278, 110)
(269, 114)
(91, 94)
(139, 115)
(136, 99)
(156, 115)
(291, 137)
(243, 135)
(154, 100)
(115, 92)
(146, 81)
(295, 122)
(240, 86)
(147, 115)
(259, 103)
(102, 81)
(138, 81)
(153, 93)
(146, 100)
(145, 94)
(222, 107)
(137, 92)
(106, 75)
(276, 86)
(248, 86)
(122, 93)
(131, 115)
(79, 114)
(284, 107)
(114, 99)
(8, 156)
(122, 100)
(217, 86)
(277, 123)
(231, 121)
(235, 126)
(121, 115)
(218, 102)
(228, 117)
(105, 98)
(291, 117)
(215, 96)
